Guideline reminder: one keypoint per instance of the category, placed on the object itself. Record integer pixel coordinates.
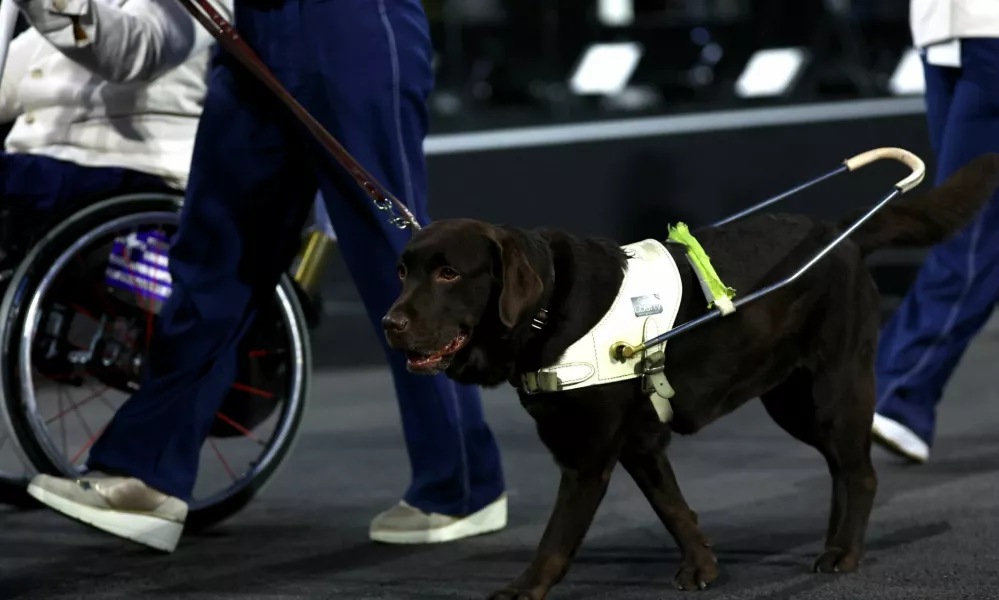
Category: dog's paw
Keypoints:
(835, 560)
(514, 594)
(696, 573)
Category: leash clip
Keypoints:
(385, 204)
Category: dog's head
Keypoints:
(465, 286)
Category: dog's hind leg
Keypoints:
(832, 411)
(792, 406)
(652, 471)
(845, 396)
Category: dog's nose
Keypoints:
(395, 323)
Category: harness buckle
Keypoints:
(539, 382)
(653, 364)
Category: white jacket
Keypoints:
(129, 95)
(934, 21)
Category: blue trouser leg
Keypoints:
(958, 286)
(248, 192)
(362, 68)
(376, 60)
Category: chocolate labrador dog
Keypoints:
(470, 292)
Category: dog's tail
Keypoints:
(931, 217)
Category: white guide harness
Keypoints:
(645, 307)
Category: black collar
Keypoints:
(540, 320)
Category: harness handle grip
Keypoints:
(903, 156)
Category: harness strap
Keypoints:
(553, 379)
(653, 369)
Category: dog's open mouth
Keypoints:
(431, 362)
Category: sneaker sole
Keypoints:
(490, 519)
(154, 532)
(888, 443)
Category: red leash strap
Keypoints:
(230, 39)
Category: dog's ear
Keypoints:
(522, 286)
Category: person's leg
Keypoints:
(247, 196)
(43, 184)
(958, 286)
(37, 191)
(376, 60)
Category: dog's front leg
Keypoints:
(653, 473)
(579, 495)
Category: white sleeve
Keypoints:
(137, 41)
(18, 58)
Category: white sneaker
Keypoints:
(899, 439)
(406, 524)
(123, 506)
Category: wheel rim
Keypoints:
(15, 469)
(54, 441)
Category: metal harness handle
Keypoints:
(624, 350)
(230, 39)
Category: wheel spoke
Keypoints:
(108, 404)
(149, 326)
(101, 293)
(83, 311)
(261, 353)
(225, 463)
(246, 432)
(252, 390)
(73, 407)
(83, 423)
(62, 422)
(90, 442)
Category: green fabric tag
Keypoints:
(681, 234)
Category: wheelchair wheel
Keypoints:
(14, 468)
(76, 320)
(14, 472)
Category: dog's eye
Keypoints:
(402, 271)
(447, 274)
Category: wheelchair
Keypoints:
(75, 322)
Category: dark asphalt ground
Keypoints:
(762, 498)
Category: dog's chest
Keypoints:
(646, 306)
